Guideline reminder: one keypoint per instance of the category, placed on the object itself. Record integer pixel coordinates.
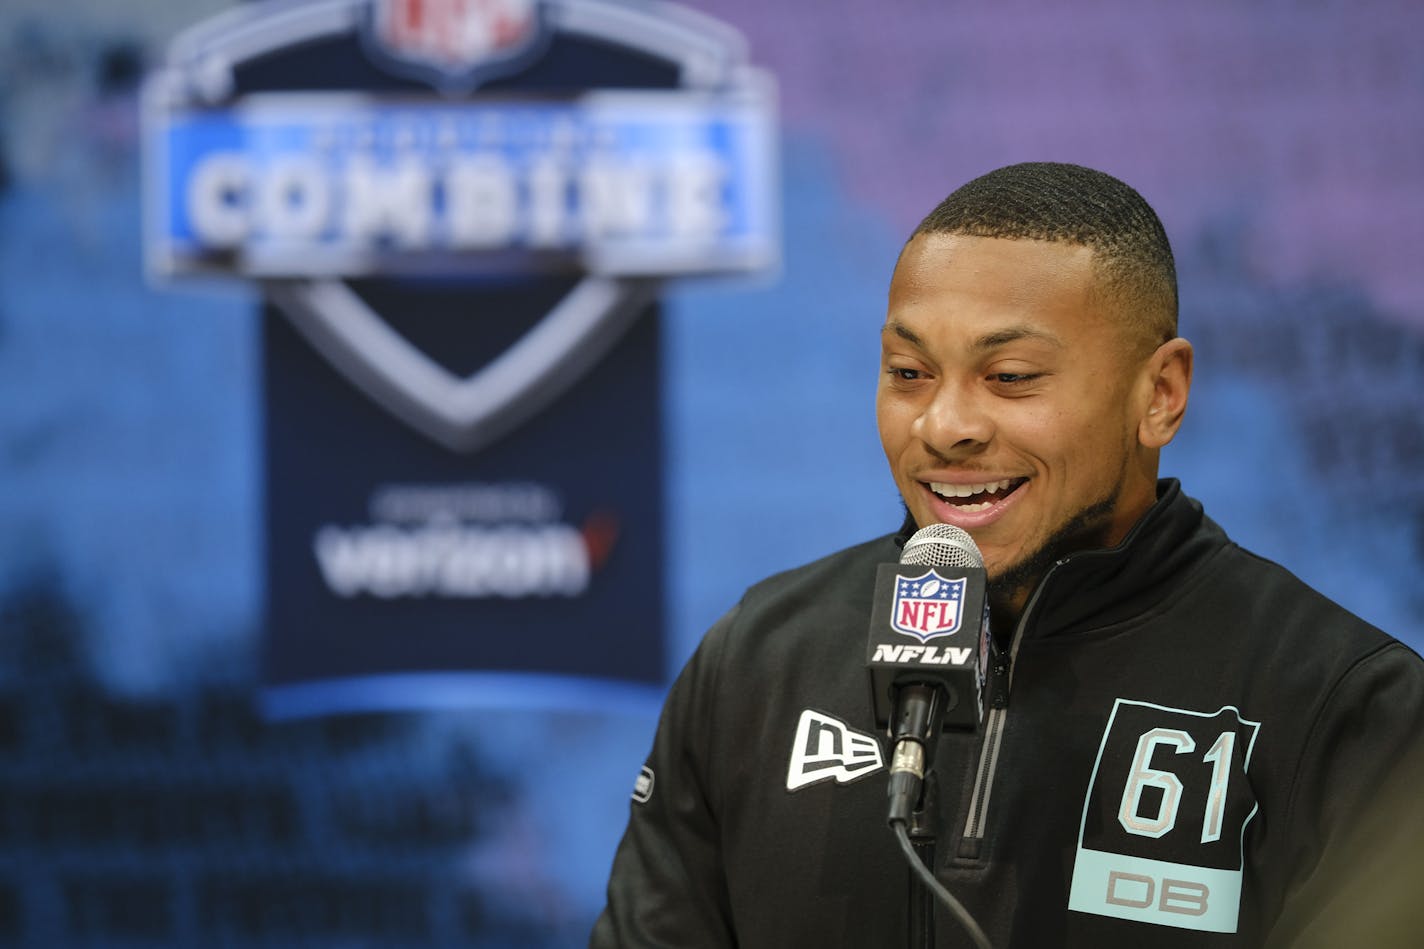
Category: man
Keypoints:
(1190, 735)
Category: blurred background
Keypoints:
(146, 800)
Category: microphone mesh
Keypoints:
(941, 545)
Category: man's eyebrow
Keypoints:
(1014, 334)
(1003, 337)
(904, 332)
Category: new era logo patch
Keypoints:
(643, 787)
(826, 749)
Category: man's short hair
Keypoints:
(1052, 201)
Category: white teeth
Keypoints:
(968, 490)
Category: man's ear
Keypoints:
(1169, 372)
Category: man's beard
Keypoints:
(1088, 529)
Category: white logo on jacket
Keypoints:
(827, 748)
(643, 787)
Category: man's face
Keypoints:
(1010, 399)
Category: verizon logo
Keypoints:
(827, 749)
(924, 655)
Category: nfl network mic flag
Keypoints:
(459, 216)
(929, 624)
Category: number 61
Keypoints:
(1144, 776)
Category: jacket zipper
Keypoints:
(973, 838)
(972, 841)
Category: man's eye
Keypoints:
(1014, 378)
(905, 375)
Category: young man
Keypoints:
(1190, 735)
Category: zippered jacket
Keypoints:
(1190, 751)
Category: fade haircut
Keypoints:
(1051, 201)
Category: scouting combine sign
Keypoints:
(459, 214)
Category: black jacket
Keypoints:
(1185, 722)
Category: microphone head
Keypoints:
(942, 545)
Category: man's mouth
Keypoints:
(973, 498)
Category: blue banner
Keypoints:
(612, 182)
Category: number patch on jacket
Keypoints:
(1164, 819)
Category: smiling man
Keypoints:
(1021, 398)
(1189, 741)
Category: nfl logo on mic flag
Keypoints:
(927, 606)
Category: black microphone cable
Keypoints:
(944, 896)
(918, 709)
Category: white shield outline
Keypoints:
(454, 78)
(464, 414)
(959, 582)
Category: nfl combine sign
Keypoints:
(459, 215)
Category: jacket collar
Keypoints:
(1108, 585)
(1094, 588)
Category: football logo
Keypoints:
(927, 606)
(455, 44)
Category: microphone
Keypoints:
(928, 652)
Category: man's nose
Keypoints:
(955, 422)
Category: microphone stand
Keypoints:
(922, 837)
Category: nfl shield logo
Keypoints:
(927, 606)
(456, 43)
